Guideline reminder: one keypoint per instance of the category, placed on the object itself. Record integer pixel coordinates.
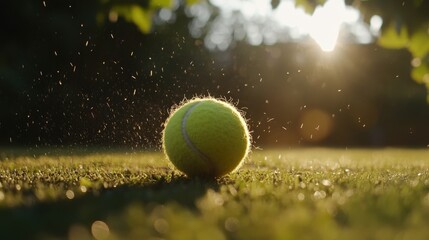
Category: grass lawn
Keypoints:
(277, 194)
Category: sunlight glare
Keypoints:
(224, 22)
(326, 23)
(376, 23)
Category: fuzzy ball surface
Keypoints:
(206, 137)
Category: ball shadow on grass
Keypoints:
(55, 217)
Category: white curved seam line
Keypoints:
(186, 136)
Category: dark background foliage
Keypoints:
(68, 79)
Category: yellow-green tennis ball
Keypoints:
(206, 137)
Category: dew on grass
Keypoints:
(83, 189)
(326, 182)
(319, 195)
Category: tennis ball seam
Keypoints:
(188, 141)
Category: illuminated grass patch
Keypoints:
(277, 194)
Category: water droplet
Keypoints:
(319, 194)
(326, 182)
(83, 189)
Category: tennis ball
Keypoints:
(206, 137)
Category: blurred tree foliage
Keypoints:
(405, 25)
(137, 12)
(81, 72)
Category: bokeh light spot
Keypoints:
(161, 225)
(100, 230)
(70, 194)
(316, 125)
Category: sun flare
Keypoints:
(257, 22)
(326, 24)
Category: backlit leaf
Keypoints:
(161, 4)
(421, 74)
(141, 17)
(419, 43)
(392, 38)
